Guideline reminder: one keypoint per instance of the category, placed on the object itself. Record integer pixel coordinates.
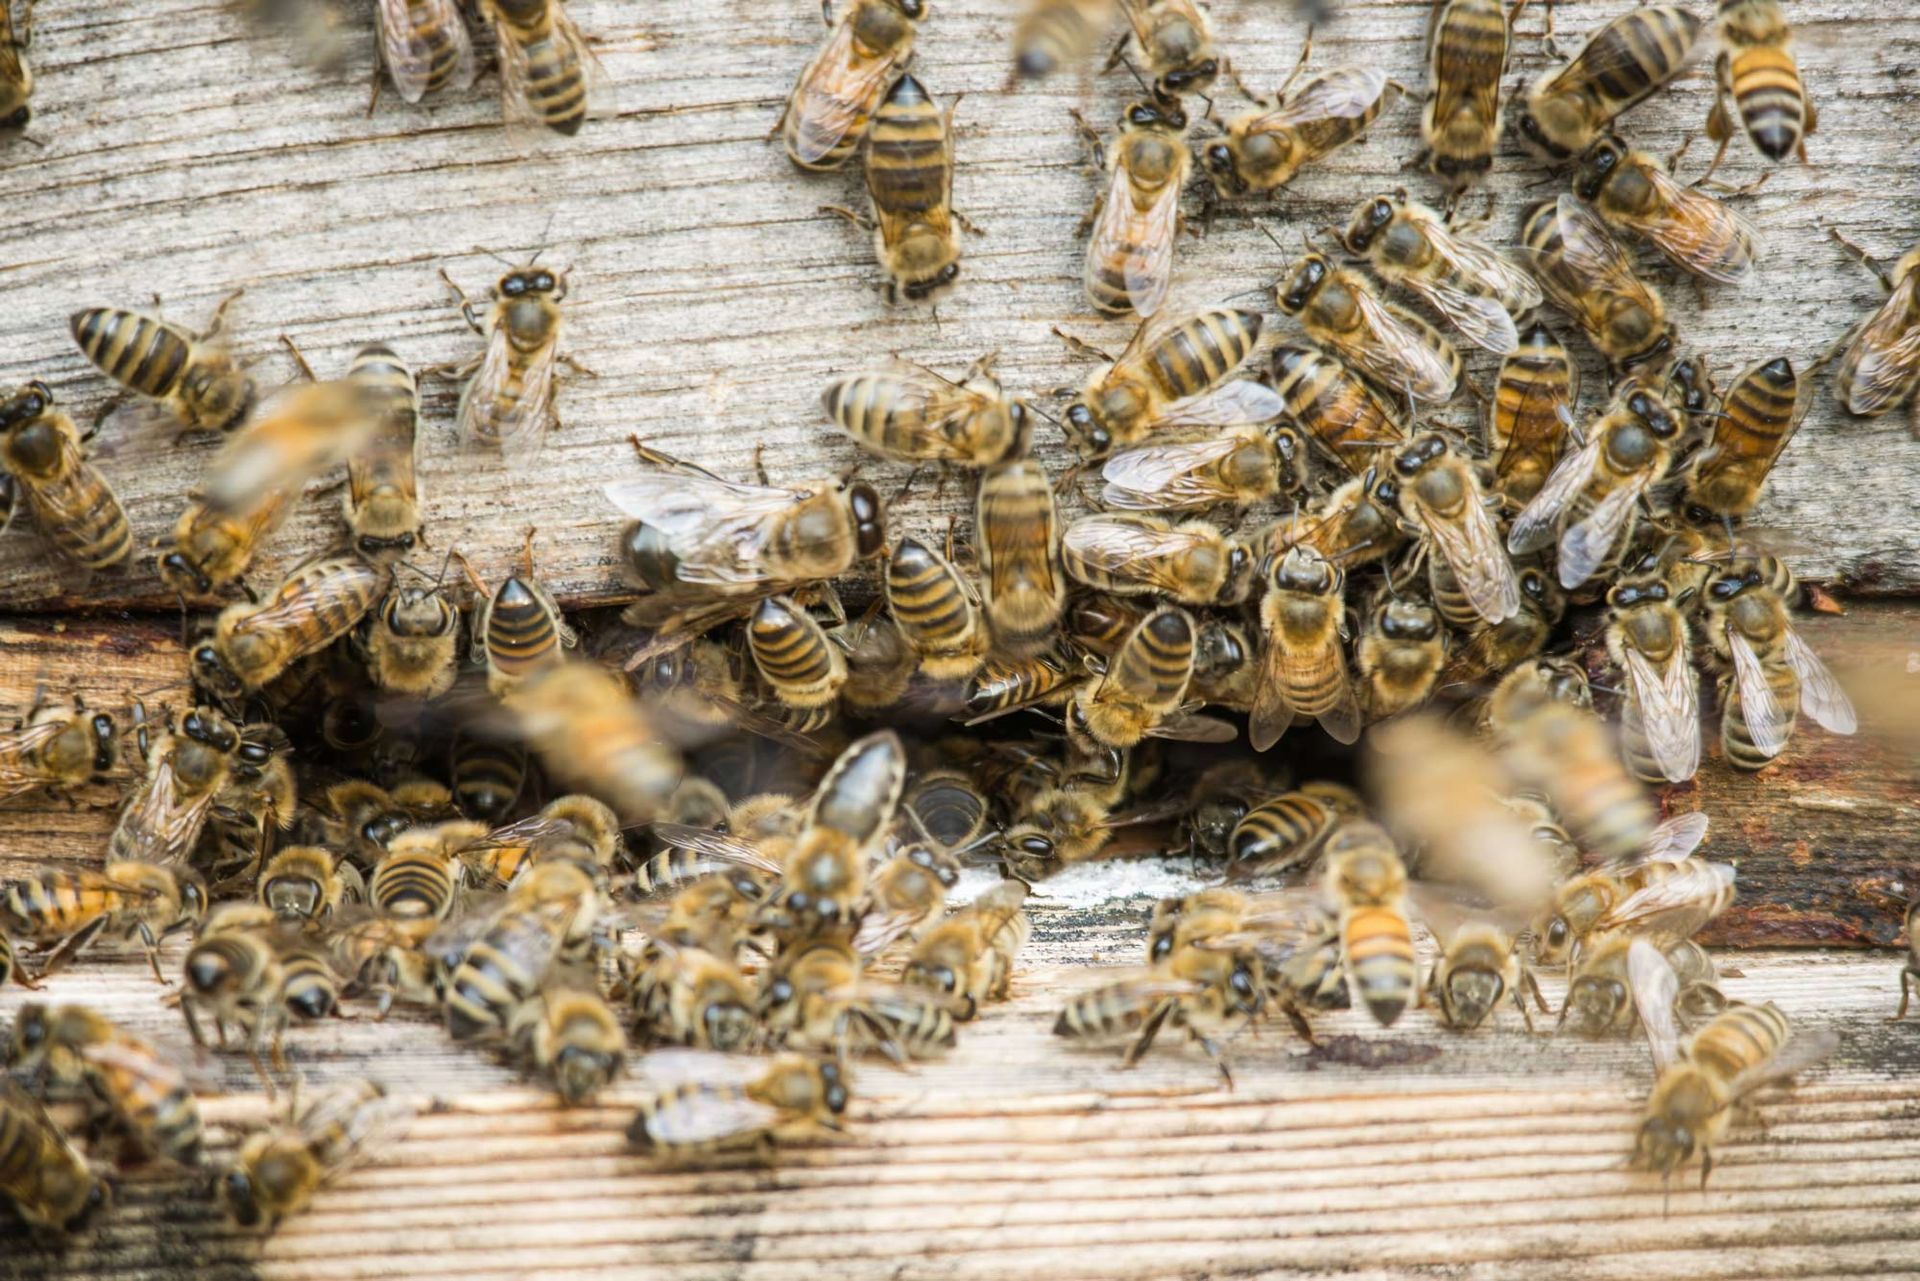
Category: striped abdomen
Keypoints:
(666, 1120)
(52, 903)
(522, 633)
(1468, 53)
(43, 1174)
(1312, 667)
(151, 1097)
(1155, 664)
(794, 655)
(1449, 598)
(1378, 949)
(1736, 739)
(1052, 33)
(487, 776)
(1740, 1039)
(319, 603)
(390, 383)
(1534, 387)
(504, 967)
(1194, 356)
(309, 987)
(552, 70)
(934, 609)
(413, 885)
(71, 503)
(1765, 84)
(909, 165)
(138, 352)
(909, 1020)
(1755, 421)
(1632, 56)
(1281, 833)
(1109, 1012)
(1331, 404)
(1017, 532)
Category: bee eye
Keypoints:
(1557, 934)
(544, 282)
(513, 286)
(1219, 158)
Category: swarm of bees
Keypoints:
(735, 822)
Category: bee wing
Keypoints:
(1126, 550)
(880, 930)
(1883, 360)
(706, 1115)
(1700, 233)
(1155, 476)
(927, 410)
(1239, 403)
(1820, 694)
(1533, 527)
(156, 827)
(848, 84)
(1586, 543)
(1190, 727)
(509, 401)
(1141, 241)
(409, 58)
(1590, 251)
(15, 746)
(1471, 547)
(1767, 722)
(1802, 1051)
(1384, 342)
(1272, 715)
(1341, 93)
(1675, 838)
(1669, 702)
(1674, 908)
(1342, 720)
(715, 845)
(1655, 985)
(1490, 272)
(524, 125)
(295, 611)
(1481, 320)
(368, 1126)
(715, 527)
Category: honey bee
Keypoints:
(1564, 750)
(1399, 656)
(1141, 691)
(518, 630)
(202, 386)
(1619, 66)
(40, 449)
(419, 877)
(1756, 69)
(1388, 344)
(1127, 554)
(9, 965)
(1879, 363)
(41, 1172)
(71, 908)
(1530, 685)
(880, 668)
(16, 78)
(1004, 685)
(1661, 891)
(1441, 497)
(1531, 412)
(913, 415)
(1660, 718)
(508, 962)
(1136, 220)
(905, 892)
(1357, 524)
(1775, 674)
(572, 1037)
(1287, 831)
(1365, 883)
(1632, 191)
(1264, 148)
(1334, 406)
(1758, 416)
(425, 46)
(276, 1172)
(1053, 33)
(937, 609)
(1016, 531)
(1467, 46)
(1172, 374)
(305, 883)
(1203, 991)
(945, 809)
(826, 869)
(234, 971)
(383, 958)
(301, 432)
(1479, 963)
(567, 826)
(163, 816)
(794, 655)
(1414, 247)
(827, 113)
(488, 776)
(1599, 999)
(70, 1046)
(213, 547)
(1238, 467)
(684, 995)
(316, 604)
(816, 997)
(1176, 39)
(794, 1097)
(968, 958)
(1586, 273)
(56, 748)
(1593, 496)
(909, 168)
(411, 641)
(383, 493)
(507, 403)
(594, 737)
(1303, 659)
(1695, 1088)
(1224, 670)
(547, 68)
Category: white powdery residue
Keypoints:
(1101, 881)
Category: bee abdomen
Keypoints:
(521, 636)
(1743, 1037)
(794, 654)
(1194, 356)
(1759, 409)
(907, 154)
(556, 83)
(136, 351)
(927, 597)
(1158, 660)
(308, 987)
(46, 905)
(1767, 89)
(1380, 961)
(1736, 739)
(98, 538)
(487, 777)
(1638, 52)
(412, 887)
(1279, 833)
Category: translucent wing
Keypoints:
(720, 847)
(295, 611)
(1675, 838)
(518, 76)
(1391, 351)
(1153, 477)
(1880, 364)
(707, 1115)
(1675, 907)
(1669, 703)
(1586, 543)
(15, 746)
(1591, 253)
(1139, 553)
(1272, 715)
(304, 431)
(156, 827)
(1472, 550)
(1655, 985)
(1473, 266)
(1232, 404)
(410, 55)
(1802, 1051)
(1533, 527)
(509, 401)
(1139, 240)
(353, 1125)
(716, 528)
(1820, 694)
(1768, 724)
(1699, 233)
(1190, 727)
(845, 86)
(1343, 93)
(1481, 320)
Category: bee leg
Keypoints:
(826, 13)
(153, 953)
(1908, 975)
(574, 363)
(466, 304)
(1867, 260)
(1298, 1021)
(373, 98)
(1084, 350)
(218, 324)
(1306, 52)
(860, 220)
(967, 224)
(1213, 1052)
(760, 464)
(1706, 1165)
(1547, 41)
(1148, 1030)
(1520, 1004)
(1092, 137)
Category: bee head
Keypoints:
(869, 514)
(1308, 275)
(1602, 158)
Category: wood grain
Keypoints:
(185, 157)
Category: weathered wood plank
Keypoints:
(712, 298)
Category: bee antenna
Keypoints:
(1268, 233)
(1135, 72)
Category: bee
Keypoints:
(795, 1096)
(70, 1046)
(518, 630)
(572, 1037)
(1017, 534)
(425, 46)
(1599, 999)
(1775, 674)
(937, 610)
(1205, 992)
(1756, 69)
(162, 818)
(16, 78)
(1660, 718)
(1399, 656)
(684, 995)
(826, 869)
(904, 893)
(1586, 273)
(41, 1172)
(1334, 406)
(70, 908)
(1287, 831)
(1477, 966)
(1565, 750)
(382, 957)
(40, 449)
(1173, 374)
(909, 168)
(1414, 247)
(1141, 691)
(488, 776)
(508, 962)
(1441, 497)
(1388, 344)
(411, 641)
(577, 826)
(546, 67)
(593, 736)
(1357, 524)
(213, 546)
(1264, 148)
(1004, 685)
(1632, 191)
(1593, 495)
(507, 403)
(56, 748)
(1238, 467)
(945, 809)
(1757, 417)
(817, 998)
(1695, 1088)
(1910, 972)
(234, 971)
(911, 414)
(1303, 659)
(1365, 883)
(827, 113)
(301, 432)
(1128, 554)
(968, 957)
(1053, 33)
(794, 655)
(1879, 364)
(305, 883)
(316, 604)
(202, 386)
(276, 1172)
(1531, 412)
(1661, 891)
(383, 493)
(880, 667)
(1619, 66)
(1467, 46)
(1136, 220)
(1177, 42)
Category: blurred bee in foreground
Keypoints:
(1176, 39)
(1264, 148)
(1619, 67)
(1055, 33)
(794, 1097)
(70, 1047)
(425, 47)
(41, 1172)
(594, 736)
(1467, 46)
(1136, 220)
(277, 1171)
(827, 113)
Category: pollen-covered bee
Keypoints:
(969, 956)
(1531, 412)
(425, 46)
(1758, 416)
(1879, 365)
(276, 1172)
(202, 386)
(1136, 220)
(1287, 830)
(827, 113)
(911, 414)
(1017, 533)
(16, 78)
(1412, 246)
(1632, 191)
(1756, 69)
(794, 1097)
(594, 736)
(1619, 66)
(316, 604)
(1390, 345)
(411, 641)
(1237, 467)
(825, 872)
(1172, 374)
(1304, 659)
(42, 1173)
(58, 748)
(72, 1047)
(383, 493)
(1586, 273)
(548, 73)
(1127, 554)
(1401, 650)
(40, 449)
(1264, 148)
(1660, 717)
(1441, 497)
(1774, 673)
(937, 610)
(507, 403)
(1334, 406)
(1467, 46)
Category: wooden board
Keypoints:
(185, 157)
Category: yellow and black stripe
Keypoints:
(1523, 424)
(309, 986)
(487, 776)
(1752, 428)
(1378, 949)
(504, 967)
(793, 653)
(1468, 52)
(1740, 1039)
(1195, 355)
(520, 634)
(139, 352)
(1765, 83)
(930, 602)
(1017, 533)
(909, 161)
(1632, 56)
(52, 903)
(414, 884)
(1281, 833)
(1736, 740)
(556, 80)
(1155, 664)
(1334, 406)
